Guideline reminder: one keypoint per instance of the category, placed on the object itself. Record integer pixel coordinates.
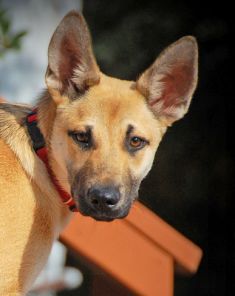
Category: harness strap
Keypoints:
(40, 149)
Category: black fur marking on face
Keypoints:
(83, 138)
(134, 143)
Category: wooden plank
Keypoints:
(185, 253)
(124, 253)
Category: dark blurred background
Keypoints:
(189, 185)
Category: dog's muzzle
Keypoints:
(102, 203)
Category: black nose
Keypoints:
(100, 197)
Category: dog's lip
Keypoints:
(98, 217)
(103, 217)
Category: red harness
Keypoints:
(40, 148)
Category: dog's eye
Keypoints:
(82, 138)
(137, 143)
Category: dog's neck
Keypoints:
(39, 123)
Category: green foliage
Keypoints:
(8, 40)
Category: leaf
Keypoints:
(8, 40)
(5, 23)
(20, 34)
(16, 40)
(2, 13)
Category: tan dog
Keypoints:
(102, 134)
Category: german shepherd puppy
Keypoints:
(101, 134)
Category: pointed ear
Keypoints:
(71, 63)
(170, 82)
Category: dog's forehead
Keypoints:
(110, 101)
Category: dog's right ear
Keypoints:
(71, 64)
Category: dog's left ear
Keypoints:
(170, 82)
(71, 63)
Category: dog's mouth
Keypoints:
(104, 218)
(101, 214)
(102, 202)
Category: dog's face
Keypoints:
(105, 142)
(106, 131)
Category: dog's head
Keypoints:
(106, 131)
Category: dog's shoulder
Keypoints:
(13, 132)
(11, 120)
(12, 113)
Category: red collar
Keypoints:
(40, 148)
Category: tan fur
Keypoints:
(30, 208)
(115, 111)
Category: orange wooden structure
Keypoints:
(140, 251)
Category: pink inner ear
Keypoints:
(69, 58)
(176, 85)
